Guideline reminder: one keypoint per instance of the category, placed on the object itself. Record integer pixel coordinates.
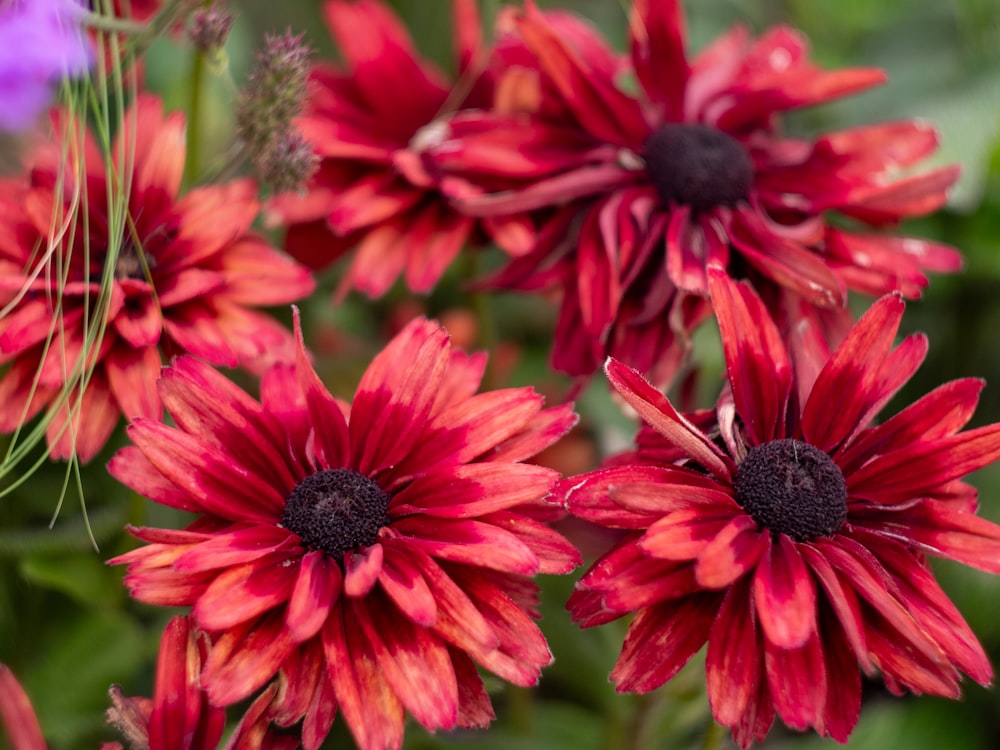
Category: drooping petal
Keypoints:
(785, 596)
(735, 657)
(661, 639)
(373, 712)
(414, 662)
(314, 594)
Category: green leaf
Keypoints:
(69, 681)
(82, 576)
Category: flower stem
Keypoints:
(113, 25)
(143, 33)
(520, 709)
(192, 167)
(715, 733)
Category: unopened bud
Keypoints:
(286, 163)
(209, 28)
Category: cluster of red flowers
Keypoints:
(367, 557)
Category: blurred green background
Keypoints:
(68, 629)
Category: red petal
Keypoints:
(413, 661)
(600, 108)
(16, 714)
(656, 33)
(131, 467)
(798, 682)
(244, 658)
(372, 710)
(244, 592)
(132, 375)
(658, 412)
(158, 151)
(734, 660)
(402, 581)
(785, 596)
(209, 406)
(847, 378)
(316, 589)
(660, 641)
(942, 412)
(471, 428)
(458, 621)
(397, 86)
(469, 542)
(845, 605)
(474, 707)
(472, 490)
(395, 396)
(733, 552)
(332, 444)
(760, 373)
(939, 530)
(243, 545)
(362, 568)
(206, 474)
(916, 471)
(683, 535)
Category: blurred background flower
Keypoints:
(40, 42)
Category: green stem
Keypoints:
(715, 734)
(143, 33)
(637, 731)
(191, 169)
(520, 709)
(113, 25)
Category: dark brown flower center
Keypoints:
(697, 165)
(336, 510)
(133, 263)
(790, 487)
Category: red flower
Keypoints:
(17, 716)
(792, 537)
(692, 170)
(179, 716)
(366, 554)
(181, 274)
(370, 124)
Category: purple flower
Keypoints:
(40, 42)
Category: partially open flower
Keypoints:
(368, 555)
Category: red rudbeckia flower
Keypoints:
(370, 123)
(179, 274)
(367, 554)
(689, 171)
(179, 716)
(792, 537)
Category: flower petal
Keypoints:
(734, 551)
(316, 589)
(785, 596)
(658, 412)
(661, 639)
